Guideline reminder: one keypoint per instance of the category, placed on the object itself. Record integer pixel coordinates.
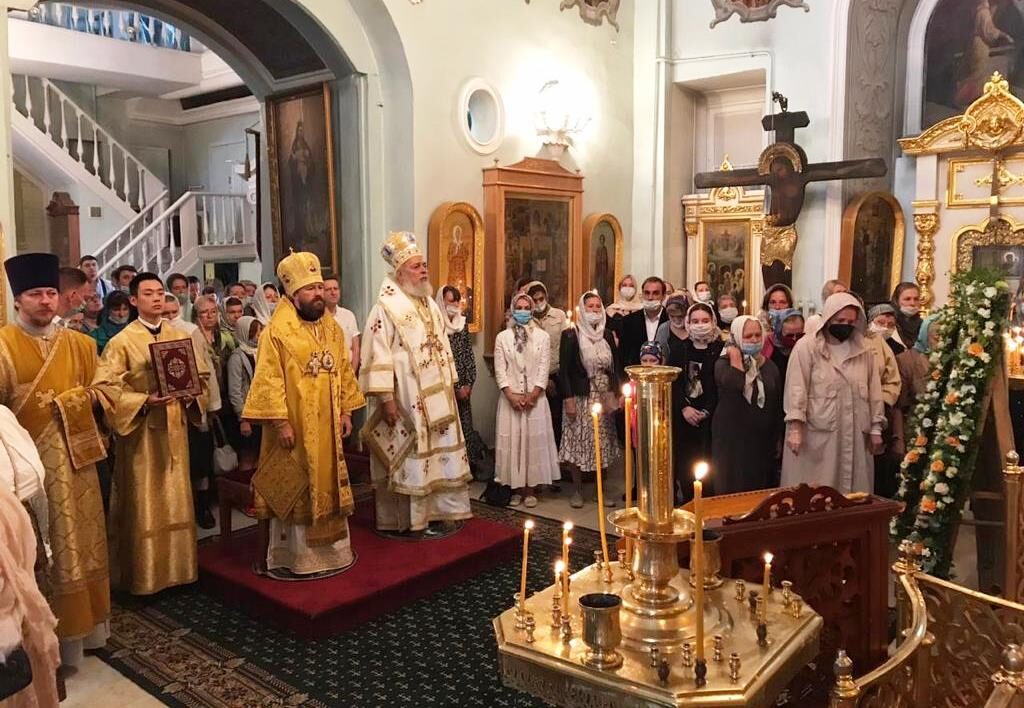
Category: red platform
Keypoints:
(387, 575)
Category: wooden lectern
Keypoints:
(834, 549)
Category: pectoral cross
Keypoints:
(783, 168)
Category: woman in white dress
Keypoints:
(525, 455)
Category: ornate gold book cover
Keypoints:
(174, 364)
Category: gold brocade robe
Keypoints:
(152, 521)
(30, 382)
(303, 375)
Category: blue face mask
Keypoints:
(751, 348)
(522, 317)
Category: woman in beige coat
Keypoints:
(833, 402)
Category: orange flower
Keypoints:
(936, 375)
(952, 398)
(953, 441)
(921, 441)
(975, 349)
(938, 466)
(928, 505)
(913, 456)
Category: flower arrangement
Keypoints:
(945, 431)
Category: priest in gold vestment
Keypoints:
(44, 372)
(152, 521)
(303, 391)
(418, 462)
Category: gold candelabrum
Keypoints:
(630, 640)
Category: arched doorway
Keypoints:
(282, 45)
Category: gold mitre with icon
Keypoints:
(297, 270)
(399, 247)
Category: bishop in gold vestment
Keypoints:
(44, 370)
(152, 520)
(303, 391)
(419, 463)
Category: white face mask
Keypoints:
(910, 310)
(627, 292)
(452, 310)
(728, 314)
(703, 295)
(652, 305)
(700, 331)
(592, 318)
(885, 332)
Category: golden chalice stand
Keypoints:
(630, 635)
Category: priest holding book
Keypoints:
(152, 521)
(303, 391)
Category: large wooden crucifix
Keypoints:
(783, 168)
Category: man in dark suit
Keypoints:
(641, 326)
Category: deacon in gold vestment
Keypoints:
(303, 391)
(152, 521)
(418, 462)
(44, 370)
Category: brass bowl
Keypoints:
(627, 521)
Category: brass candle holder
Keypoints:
(741, 591)
(566, 629)
(700, 673)
(734, 667)
(687, 655)
(719, 644)
(531, 626)
(787, 593)
(520, 611)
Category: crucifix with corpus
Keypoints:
(785, 172)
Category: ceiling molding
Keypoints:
(142, 111)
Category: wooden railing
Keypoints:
(72, 129)
(125, 25)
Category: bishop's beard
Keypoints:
(423, 289)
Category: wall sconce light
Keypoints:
(558, 117)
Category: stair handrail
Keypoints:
(123, 25)
(142, 235)
(141, 216)
(98, 129)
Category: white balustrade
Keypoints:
(123, 25)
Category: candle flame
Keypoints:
(568, 541)
(567, 526)
(529, 524)
(559, 567)
(595, 409)
(627, 390)
(700, 470)
(768, 557)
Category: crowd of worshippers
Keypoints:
(769, 398)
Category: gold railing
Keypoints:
(960, 649)
(1014, 488)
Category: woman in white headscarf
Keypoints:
(749, 405)
(589, 363)
(449, 299)
(241, 365)
(525, 452)
(264, 302)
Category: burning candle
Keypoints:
(766, 590)
(627, 394)
(700, 471)
(559, 567)
(565, 590)
(527, 527)
(595, 414)
(566, 529)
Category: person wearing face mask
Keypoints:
(114, 317)
(642, 326)
(589, 375)
(727, 309)
(702, 293)
(833, 402)
(525, 455)
(694, 394)
(749, 402)
(778, 299)
(627, 302)
(830, 288)
(449, 301)
(790, 331)
(672, 332)
(914, 369)
(881, 327)
(906, 299)
(553, 321)
(882, 322)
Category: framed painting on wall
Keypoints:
(533, 226)
(602, 242)
(301, 151)
(455, 256)
(997, 244)
(871, 251)
(726, 260)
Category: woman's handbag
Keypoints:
(225, 459)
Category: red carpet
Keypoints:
(387, 575)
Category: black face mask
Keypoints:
(841, 332)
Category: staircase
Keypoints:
(156, 235)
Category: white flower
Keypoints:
(951, 472)
(955, 419)
(969, 289)
(926, 552)
(927, 423)
(985, 357)
(942, 488)
(948, 500)
(990, 292)
(984, 313)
